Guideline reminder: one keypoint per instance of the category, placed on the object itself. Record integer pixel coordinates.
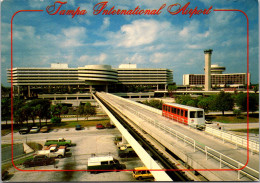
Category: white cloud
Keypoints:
(95, 59)
(158, 57)
(23, 32)
(136, 58)
(140, 32)
(73, 36)
(106, 23)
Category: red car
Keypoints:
(100, 126)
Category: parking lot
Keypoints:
(86, 142)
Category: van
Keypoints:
(104, 163)
(142, 173)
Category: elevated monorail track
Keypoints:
(142, 139)
(194, 149)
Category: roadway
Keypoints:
(199, 136)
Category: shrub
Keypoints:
(55, 119)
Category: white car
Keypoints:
(35, 129)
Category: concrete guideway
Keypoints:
(144, 156)
(200, 137)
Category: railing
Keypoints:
(223, 159)
(239, 141)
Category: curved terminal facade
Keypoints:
(59, 78)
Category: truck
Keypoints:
(104, 163)
(56, 146)
(53, 152)
(60, 142)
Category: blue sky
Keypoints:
(151, 41)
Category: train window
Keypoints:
(177, 111)
(200, 114)
(186, 114)
(174, 110)
(192, 114)
(181, 112)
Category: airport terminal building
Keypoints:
(218, 79)
(59, 78)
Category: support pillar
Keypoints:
(124, 140)
(29, 92)
(157, 87)
(106, 89)
(18, 91)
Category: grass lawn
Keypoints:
(253, 130)
(85, 123)
(253, 118)
(5, 145)
(17, 162)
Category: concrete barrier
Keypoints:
(27, 149)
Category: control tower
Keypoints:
(208, 69)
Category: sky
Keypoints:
(175, 42)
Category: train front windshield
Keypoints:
(196, 114)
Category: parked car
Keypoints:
(44, 129)
(34, 129)
(108, 125)
(24, 130)
(78, 127)
(100, 126)
(104, 163)
(5, 174)
(142, 173)
(40, 160)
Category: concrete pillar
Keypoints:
(157, 87)
(29, 92)
(165, 87)
(90, 88)
(18, 90)
(124, 140)
(106, 89)
(207, 54)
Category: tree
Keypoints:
(5, 109)
(17, 105)
(224, 102)
(56, 110)
(256, 88)
(237, 112)
(183, 99)
(191, 103)
(154, 103)
(25, 112)
(171, 89)
(204, 103)
(241, 101)
(64, 110)
(88, 110)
